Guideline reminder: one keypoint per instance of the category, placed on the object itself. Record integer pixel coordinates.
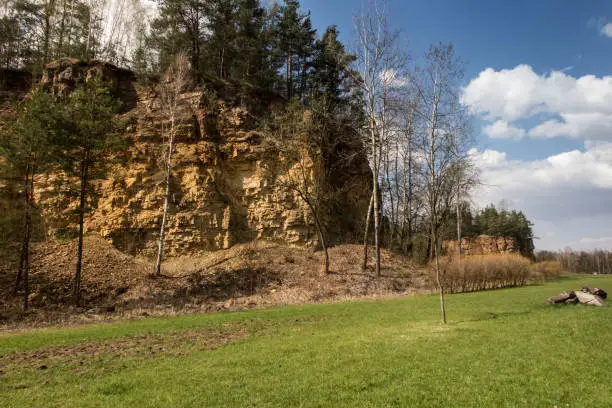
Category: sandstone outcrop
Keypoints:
(220, 191)
(483, 245)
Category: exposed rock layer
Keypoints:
(221, 193)
(483, 245)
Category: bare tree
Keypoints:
(377, 57)
(298, 141)
(438, 90)
(466, 174)
(174, 82)
(406, 178)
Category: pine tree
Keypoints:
(27, 149)
(294, 42)
(181, 26)
(332, 77)
(252, 45)
(221, 46)
(89, 124)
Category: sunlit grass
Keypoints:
(501, 348)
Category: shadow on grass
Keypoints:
(484, 316)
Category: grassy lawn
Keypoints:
(501, 348)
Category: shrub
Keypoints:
(546, 270)
(474, 273)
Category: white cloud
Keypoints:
(576, 126)
(606, 30)
(580, 107)
(502, 130)
(488, 159)
(568, 196)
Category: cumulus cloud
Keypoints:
(606, 30)
(488, 159)
(575, 107)
(502, 130)
(568, 195)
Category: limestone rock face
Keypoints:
(483, 245)
(220, 191)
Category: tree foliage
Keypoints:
(88, 137)
(27, 150)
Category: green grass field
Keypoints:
(504, 348)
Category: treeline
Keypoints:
(596, 261)
(273, 48)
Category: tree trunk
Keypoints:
(290, 74)
(459, 249)
(26, 256)
(366, 233)
(409, 232)
(375, 191)
(162, 231)
(438, 277)
(221, 68)
(376, 230)
(76, 288)
(49, 9)
(319, 232)
(24, 262)
(25, 242)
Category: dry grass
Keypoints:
(482, 272)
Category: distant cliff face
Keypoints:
(483, 245)
(220, 191)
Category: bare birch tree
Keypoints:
(377, 55)
(173, 83)
(438, 89)
(465, 173)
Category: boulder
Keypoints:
(589, 299)
(599, 292)
(562, 298)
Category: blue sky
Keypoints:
(543, 129)
(546, 34)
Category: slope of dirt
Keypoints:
(259, 274)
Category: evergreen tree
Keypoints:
(27, 150)
(220, 48)
(89, 124)
(294, 43)
(252, 45)
(19, 40)
(181, 26)
(332, 78)
(71, 29)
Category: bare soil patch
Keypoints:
(255, 275)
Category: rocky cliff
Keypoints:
(483, 245)
(220, 191)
